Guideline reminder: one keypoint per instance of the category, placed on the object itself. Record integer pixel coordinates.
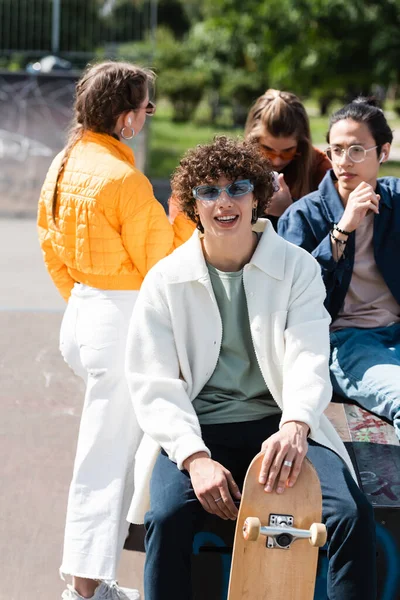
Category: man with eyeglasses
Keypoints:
(351, 225)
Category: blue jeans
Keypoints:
(365, 367)
(176, 515)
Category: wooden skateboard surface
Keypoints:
(261, 573)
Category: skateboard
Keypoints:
(277, 537)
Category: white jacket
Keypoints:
(175, 339)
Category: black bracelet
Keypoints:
(336, 228)
(341, 242)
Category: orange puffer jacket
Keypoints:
(109, 229)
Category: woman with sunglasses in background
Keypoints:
(228, 354)
(279, 122)
(351, 225)
(100, 230)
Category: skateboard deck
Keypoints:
(259, 572)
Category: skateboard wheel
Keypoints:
(318, 534)
(251, 529)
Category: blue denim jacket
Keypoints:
(308, 221)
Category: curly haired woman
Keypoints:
(228, 352)
(100, 230)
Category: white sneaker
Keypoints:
(105, 591)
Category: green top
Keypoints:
(236, 391)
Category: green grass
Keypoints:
(169, 140)
(391, 167)
(319, 128)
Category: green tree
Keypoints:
(386, 42)
(326, 47)
(184, 88)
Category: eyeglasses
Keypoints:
(283, 154)
(150, 108)
(355, 153)
(210, 193)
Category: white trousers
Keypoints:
(92, 341)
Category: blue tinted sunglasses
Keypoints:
(210, 193)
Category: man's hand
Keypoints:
(289, 445)
(360, 201)
(213, 485)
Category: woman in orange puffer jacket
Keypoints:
(101, 230)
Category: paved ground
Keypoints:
(41, 402)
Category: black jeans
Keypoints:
(176, 515)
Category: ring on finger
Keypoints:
(288, 463)
(218, 499)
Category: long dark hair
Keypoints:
(104, 92)
(281, 114)
(365, 110)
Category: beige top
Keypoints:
(369, 302)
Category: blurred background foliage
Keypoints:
(214, 57)
(227, 50)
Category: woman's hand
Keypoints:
(288, 445)
(213, 485)
(359, 202)
(280, 200)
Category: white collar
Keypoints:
(269, 256)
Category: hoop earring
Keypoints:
(254, 215)
(127, 137)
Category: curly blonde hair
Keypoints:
(231, 158)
